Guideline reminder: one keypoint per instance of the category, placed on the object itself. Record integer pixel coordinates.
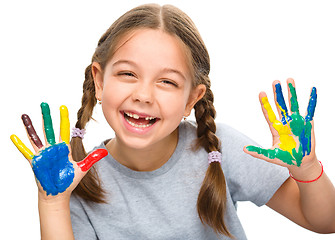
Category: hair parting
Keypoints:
(211, 203)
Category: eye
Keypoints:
(127, 74)
(169, 82)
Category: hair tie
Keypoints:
(76, 132)
(214, 156)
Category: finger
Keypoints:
(287, 142)
(21, 147)
(92, 158)
(276, 155)
(47, 121)
(311, 105)
(33, 137)
(293, 96)
(312, 137)
(297, 125)
(280, 103)
(268, 112)
(64, 124)
(305, 139)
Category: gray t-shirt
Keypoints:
(161, 204)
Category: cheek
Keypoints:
(172, 105)
(114, 93)
(113, 96)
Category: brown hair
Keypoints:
(211, 203)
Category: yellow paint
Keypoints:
(283, 111)
(64, 124)
(287, 142)
(21, 147)
(267, 106)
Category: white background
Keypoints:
(45, 48)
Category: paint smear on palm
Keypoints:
(295, 125)
(51, 166)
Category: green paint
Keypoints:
(297, 124)
(298, 155)
(294, 99)
(300, 128)
(48, 128)
(284, 156)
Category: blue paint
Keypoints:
(305, 139)
(304, 143)
(53, 169)
(311, 105)
(281, 102)
(300, 127)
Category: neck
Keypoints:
(148, 159)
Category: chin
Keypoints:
(135, 143)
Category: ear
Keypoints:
(196, 94)
(97, 74)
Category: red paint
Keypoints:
(92, 158)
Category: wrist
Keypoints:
(55, 217)
(60, 200)
(307, 173)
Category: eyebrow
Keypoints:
(171, 70)
(124, 61)
(164, 70)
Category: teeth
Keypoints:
(128, 114)
(137, 117)
(137, 125)
(149, 118)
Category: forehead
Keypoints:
(153, 46)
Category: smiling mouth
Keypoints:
(139, 122)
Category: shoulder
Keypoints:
(228, 135)
(231, 142)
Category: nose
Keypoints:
(143, 93)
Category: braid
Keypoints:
(88, 100)
(212, 196)
(89, 187)
(205, 114)
(211, 203)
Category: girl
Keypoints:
(149, 70)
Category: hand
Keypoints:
(55, 170)
(293, 136)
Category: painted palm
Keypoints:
(53, 165)
(294, 131)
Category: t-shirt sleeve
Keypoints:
(248, 178)
(81, 226)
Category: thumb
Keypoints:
(91, 159)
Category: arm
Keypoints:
(311, 205)
(55, 220)
(57, 174)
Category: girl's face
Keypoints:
(146, 88)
